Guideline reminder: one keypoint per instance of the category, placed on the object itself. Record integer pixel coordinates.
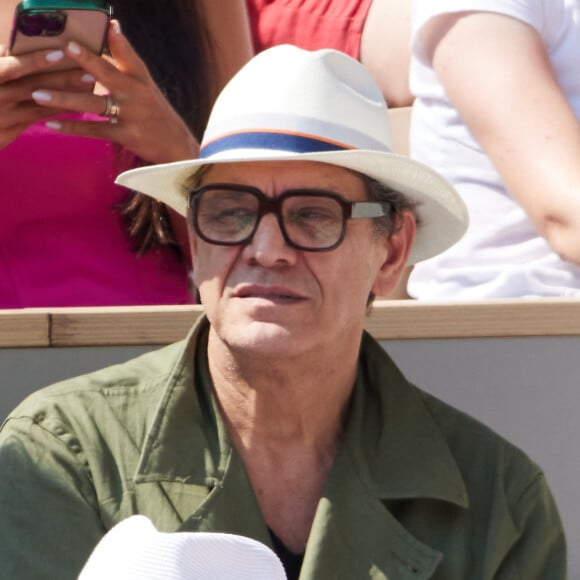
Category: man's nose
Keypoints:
(268, 246)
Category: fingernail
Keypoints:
(54, 125)
(54, 56)
(74, 48)
(88, 78)
(116, 27)
(42, 96)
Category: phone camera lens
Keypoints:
(31, 24)
(54, 24)
(42, 23)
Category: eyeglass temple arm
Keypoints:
(367, 209)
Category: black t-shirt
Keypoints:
(292, 562)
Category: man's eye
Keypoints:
(229, 213)
(235, 212)
(228, 220)
(312, 214)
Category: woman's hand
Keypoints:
(20, 76)
(145, 122)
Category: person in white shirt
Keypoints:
(497, 88)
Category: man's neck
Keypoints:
(283, 403)
(286, 420)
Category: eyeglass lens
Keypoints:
(308, 220)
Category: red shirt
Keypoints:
(309, 24)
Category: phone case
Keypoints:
(51, 24)
(64, 5)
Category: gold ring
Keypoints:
(112, 110)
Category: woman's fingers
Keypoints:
(80, 102)
(124, 75)
(19, 118)
(21, 90)
(17, 108)
(49, 70)
(125, 57)
(97, 129)
(17, 67)
(110, 72)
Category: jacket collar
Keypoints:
(394, 440)
(187, 440)
(392, 449)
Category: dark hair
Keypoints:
(171, 37)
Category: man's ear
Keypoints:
(397, 245)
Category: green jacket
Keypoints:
(417, 490)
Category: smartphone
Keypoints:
(51, 24)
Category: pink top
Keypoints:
(62, 242)
(309, 24)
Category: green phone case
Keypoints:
(27, 5)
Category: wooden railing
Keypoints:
(387, 320)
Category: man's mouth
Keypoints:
(271, 293)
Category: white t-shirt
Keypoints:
(502, 255)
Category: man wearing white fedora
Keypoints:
(278, 418)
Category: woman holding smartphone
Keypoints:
(500, 119)
(68, 235)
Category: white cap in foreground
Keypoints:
(135, 550)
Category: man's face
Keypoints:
(270, 299)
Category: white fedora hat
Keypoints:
(135, 550)
(290, 104)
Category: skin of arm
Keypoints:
(229, 32)
(385, 49)
(505, 90)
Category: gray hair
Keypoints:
(193, 181)
(394, 203)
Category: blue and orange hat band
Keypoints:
(272, 140)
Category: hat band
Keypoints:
(291, 142)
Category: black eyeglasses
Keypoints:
(314, 220)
